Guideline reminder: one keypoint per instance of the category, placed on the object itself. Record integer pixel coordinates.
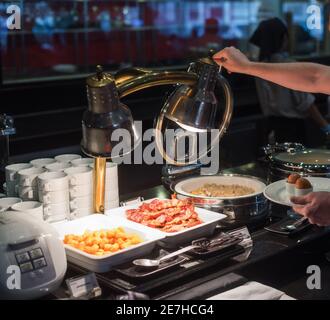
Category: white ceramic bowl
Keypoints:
(6, 203)
(53, 181)
(290, 189)
(42, 162)
(67, 157)
(185, 187)
(83, 162)
(302, 192)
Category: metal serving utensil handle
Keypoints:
(178, 252)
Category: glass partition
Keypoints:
(62, 39)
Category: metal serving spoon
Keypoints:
(296, 224)
(149, 263)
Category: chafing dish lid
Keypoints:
(307, 157)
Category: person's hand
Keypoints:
(232, 59)
(315, 206)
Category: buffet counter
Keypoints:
(275, 260)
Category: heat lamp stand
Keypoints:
(99, 184)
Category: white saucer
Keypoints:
(277, 193)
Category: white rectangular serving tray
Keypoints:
(210, 221)
(106, 262)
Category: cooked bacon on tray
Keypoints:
(171, 215)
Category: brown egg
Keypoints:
(303, 183)
(292, 178)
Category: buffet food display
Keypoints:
(103, 241)
(222, 190)
(128, 241)
(222, 187)
(297, 185)
(239, 197)
(281, 191)
(178, 221)
(170, 215)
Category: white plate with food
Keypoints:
(222, 187)
(99, 242)
(178, 221)
(278, 191)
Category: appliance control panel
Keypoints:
(34, 261)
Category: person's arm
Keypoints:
(302, 76)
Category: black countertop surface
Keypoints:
(275, 260)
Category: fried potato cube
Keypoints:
(90, 250)
(100, 242)
(107, 247)
(115, 246)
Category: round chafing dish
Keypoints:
(297, 159)
(239, 210)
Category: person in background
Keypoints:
(285, 109)
(301, 76)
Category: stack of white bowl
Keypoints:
(31, 208)
(10, 187)
(82, 162)
(58, 166)
(63, 185)
(42, 162)
(53, 191)
(81, 191)
(67, 158)
(7, 202)
(28, 183)
(111, 186)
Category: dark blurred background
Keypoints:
(44, 65)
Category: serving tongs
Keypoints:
(155, 263)
(224, 241)
(200, 245)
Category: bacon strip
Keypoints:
(171, 215)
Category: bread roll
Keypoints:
(303, 183)
(292, 178)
